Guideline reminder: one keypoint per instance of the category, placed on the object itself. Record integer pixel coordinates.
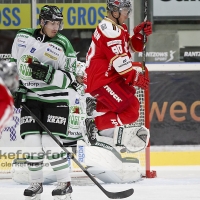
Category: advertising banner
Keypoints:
(176, 8)
(161, 48)
(76, 16)
(190, 54)
(175, 107)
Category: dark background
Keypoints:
(171, 87)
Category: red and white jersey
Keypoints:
(6, 105)
(108, 56)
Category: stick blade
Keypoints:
(120, 195)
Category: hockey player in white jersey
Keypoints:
(111, 166)
(8, 83)
(46, 63)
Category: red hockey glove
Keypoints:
(137, 79)
(147, 26)
(141, 81)
(133, 77)
(136, 42)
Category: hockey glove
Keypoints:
(134, 77)
(42, 72)
(141, 81)
(20, 95)
(147, 26)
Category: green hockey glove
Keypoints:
(42, 72)
(20, 95)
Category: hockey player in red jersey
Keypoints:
(8, 84)
(110, 71)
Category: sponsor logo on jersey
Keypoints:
(51, 51)
(21, 45)
(26, 120)
(21, 41)
(125, 62)
(112, 93)
(21, 35)
(31, 84)
(50, 56)
(74, 133)
(113, 42)
(33, 50)
(103, 27)
(73, 121)
(25, 71)
(56, 119)
(55, 47)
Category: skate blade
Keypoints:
(63, 197)
(36, 197)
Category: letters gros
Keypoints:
(14, 16)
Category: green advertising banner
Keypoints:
(76, 16)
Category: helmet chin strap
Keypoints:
(116, 18)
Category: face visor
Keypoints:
(51, 24)
(125, 11)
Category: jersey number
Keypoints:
(117, 49)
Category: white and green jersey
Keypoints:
(57, 52)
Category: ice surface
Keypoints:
(172, 183)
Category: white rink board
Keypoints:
(173, 67)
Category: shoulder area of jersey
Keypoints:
(62, 38)
(109, 28)
(62, 41)
(26, 31)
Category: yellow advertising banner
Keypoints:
(15, 16)
(76, 16)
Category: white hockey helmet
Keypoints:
(9, 75)
(119, 5)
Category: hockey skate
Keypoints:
(90, 105)
(62, 191)
(91, 130)
(33, 192)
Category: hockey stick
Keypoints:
(145, 38)
(111, 195)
